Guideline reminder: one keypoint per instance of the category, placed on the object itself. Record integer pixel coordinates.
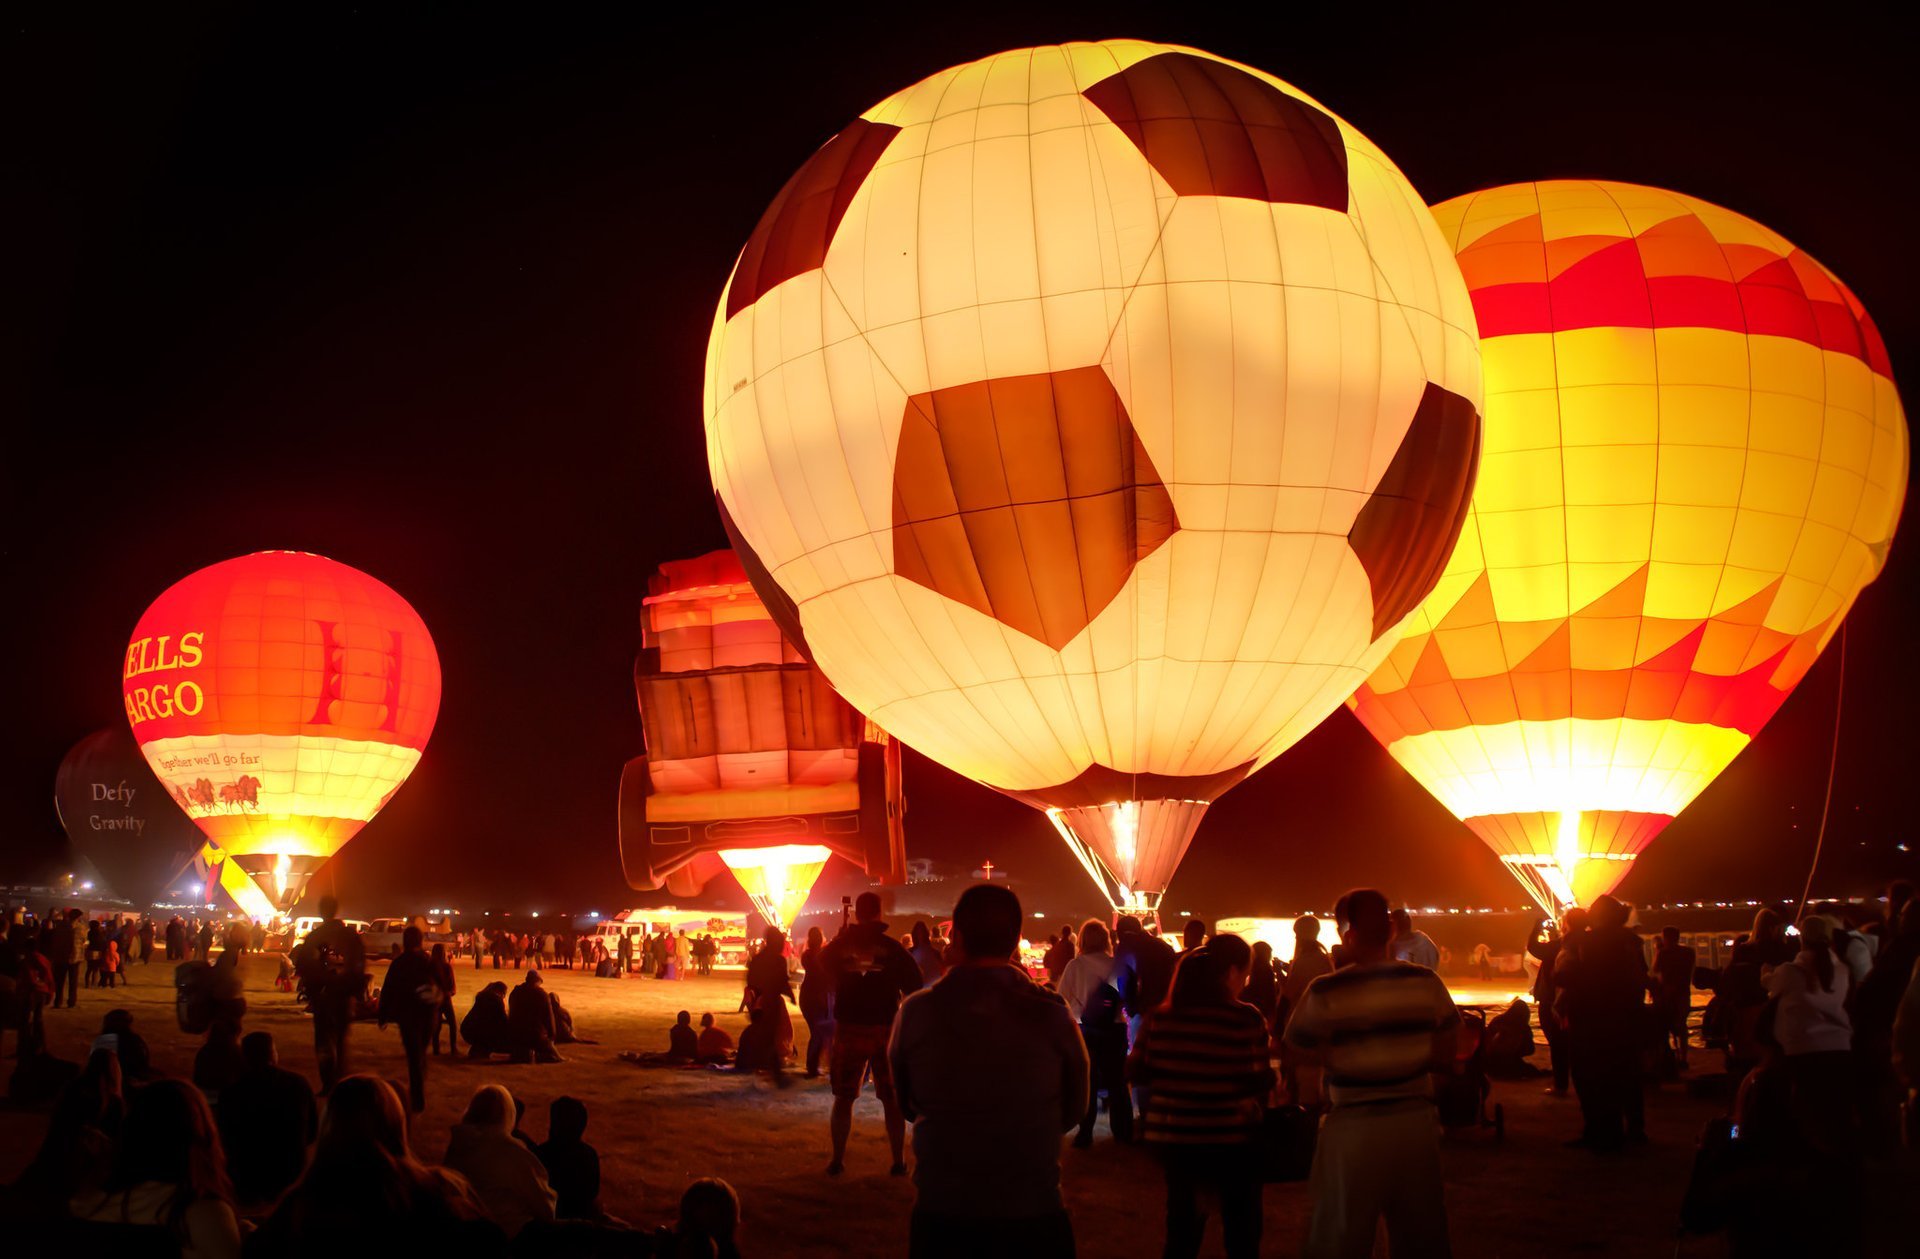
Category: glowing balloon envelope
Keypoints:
(1092, 416)
(753, 763)
(281, 698)
(125, 823)
(1694, 461)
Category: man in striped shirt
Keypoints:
(1379, 1027)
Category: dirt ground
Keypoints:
(656, 1129)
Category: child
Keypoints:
(715, 1045)
(109, 962)
(573, 1166)
(682, 1044)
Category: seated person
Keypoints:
(709, 1217)
(485, 1027)
(136, 1064)
(682, 1044)
(218, 1062)
(573, 1166)
(1509, 1043)
(759, 1048)
(563, 1033)
(530, 1021)
(714, 1044)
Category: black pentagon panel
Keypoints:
(1213, 130)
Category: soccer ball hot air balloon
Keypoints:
(281, 698)
(1694, 461)
(753, 764)
(1092, 415)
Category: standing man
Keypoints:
(870, 973)
(66, 951)
(411, 997)
(146, 939)
(332, 965)
(1604, 972)
(1143, 978)
(1672, 984)
(989, 1067)
(626, 953)
(1379, 1027)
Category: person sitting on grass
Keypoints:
(218, 1062)
(715, 1044)
(507, 1177)
(169, 1173)
(573, 1166)
(709, 1218)
(759, 1050)
(485, 1027)
(530, 1021)
(683, 1045)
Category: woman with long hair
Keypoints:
(365, 1183)
(1816, 1037)
(170, 1173)
(1203, 1057)
(816, 999)
(1090, 985)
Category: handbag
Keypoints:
(1287, 1137)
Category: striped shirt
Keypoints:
(1206, 1072)
(1375, 1027)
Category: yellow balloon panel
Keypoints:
(1694, 460)
(1097, 413)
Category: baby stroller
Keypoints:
(1462, 1094)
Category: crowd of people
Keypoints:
(1231, 1067)
(660, 954)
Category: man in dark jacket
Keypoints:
(62, 938)
(991, 1070)
(1145, 975)
(412, 998)
(332, 965)
(267, 1121)
(870, 973)
(1604, 973)
(530, 1022)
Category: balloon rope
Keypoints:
(1833, 764)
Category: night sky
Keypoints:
(431, 298)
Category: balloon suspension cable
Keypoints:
(1833, 766)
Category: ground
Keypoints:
(657, 1129)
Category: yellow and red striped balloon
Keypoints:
(1694, 459)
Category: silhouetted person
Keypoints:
(1203, 1057)
(444, 1016)
(267, 1120)
(990, 1069)
(485, 1027)
(505, 1173)
(1546, 989)
(816, 999)
(1379, 1027)
(411, 998)
(530, 1024)
(1604, 972)
(714, 1046)
(1410, 944)
(1090, 986)
(1193, 935)
(170, 1174)
(332, 965)
(1816, 1038)
(136, 1063)
(1263, 985)
(759, 1043)
(871, 973)
(1146, 962)
(218, 1062)
(66, 952)
(683, 1043)
(364, 1188)
(709, 1217)
(573, 1166)
(1672, 986)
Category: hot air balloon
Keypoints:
(753, 763)
(125, 823)
(1695, 458)
(1092, 416)
(281, 698)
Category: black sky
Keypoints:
(430, 296)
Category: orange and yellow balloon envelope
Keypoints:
(1694, 460)
(281, 698)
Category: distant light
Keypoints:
(536, 913)
(594, 914)
(1901, 846)
(86, 887)
(1038, 914)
